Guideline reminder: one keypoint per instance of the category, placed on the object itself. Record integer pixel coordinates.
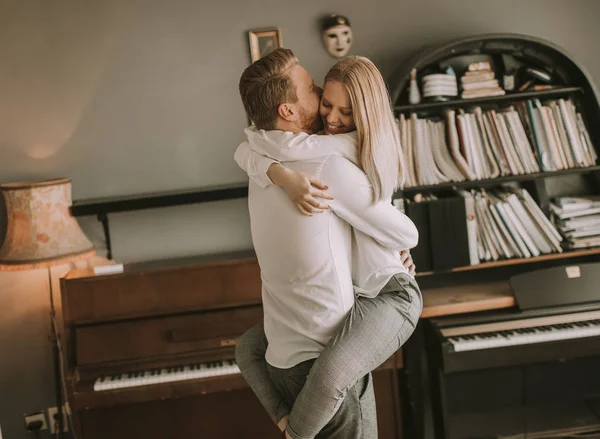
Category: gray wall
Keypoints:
(138, 96)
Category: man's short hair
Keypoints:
(265, 85)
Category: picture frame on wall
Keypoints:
(264, 41)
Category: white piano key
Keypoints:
(525, 336)
(166, 375)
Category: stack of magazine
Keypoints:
(507, 223)
(524, 138)
(578, 220)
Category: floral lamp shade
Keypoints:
(41, 231)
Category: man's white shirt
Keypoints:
(311, 267)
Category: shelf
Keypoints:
(493, 181)
(516, 261)
(431, 106)
(103, 206)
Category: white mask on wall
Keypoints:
(337, 35)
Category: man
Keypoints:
(305, 261)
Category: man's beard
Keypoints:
(310, 124)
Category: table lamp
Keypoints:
(42, 233)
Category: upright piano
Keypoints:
(150, 352)
(532, 369)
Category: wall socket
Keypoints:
(36, 417)
(52, 411)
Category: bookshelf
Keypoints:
(444, 206)
(516, 261)
(494, 181)
(569, 83)
(508, 98)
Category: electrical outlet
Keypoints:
(53, 416)
(33, 419)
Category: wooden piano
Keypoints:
(523, 371)
(149, 352)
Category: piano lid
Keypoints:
(557, 286)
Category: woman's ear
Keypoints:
(287, 112)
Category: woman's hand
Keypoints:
(408, 262)
(301, 188)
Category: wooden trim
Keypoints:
(517, 261)
(462, 299)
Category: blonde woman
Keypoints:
(359, 126)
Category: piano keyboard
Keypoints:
(565, 331)
(167, 375)
(522, 332)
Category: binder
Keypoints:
(421, 254)
(448, 229)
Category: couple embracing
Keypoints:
(338, 288)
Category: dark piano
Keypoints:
(150, 352)
(527, 370)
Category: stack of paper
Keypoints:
(578, 220)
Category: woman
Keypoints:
(355, 108)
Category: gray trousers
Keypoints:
(356, 417)
(372, 331)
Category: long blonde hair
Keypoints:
(379, 150)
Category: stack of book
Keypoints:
(507, 223)
(524, 138)
(578, 220)
(480, 81)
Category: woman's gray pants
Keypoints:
(373, 330)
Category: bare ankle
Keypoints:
(283, 423)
